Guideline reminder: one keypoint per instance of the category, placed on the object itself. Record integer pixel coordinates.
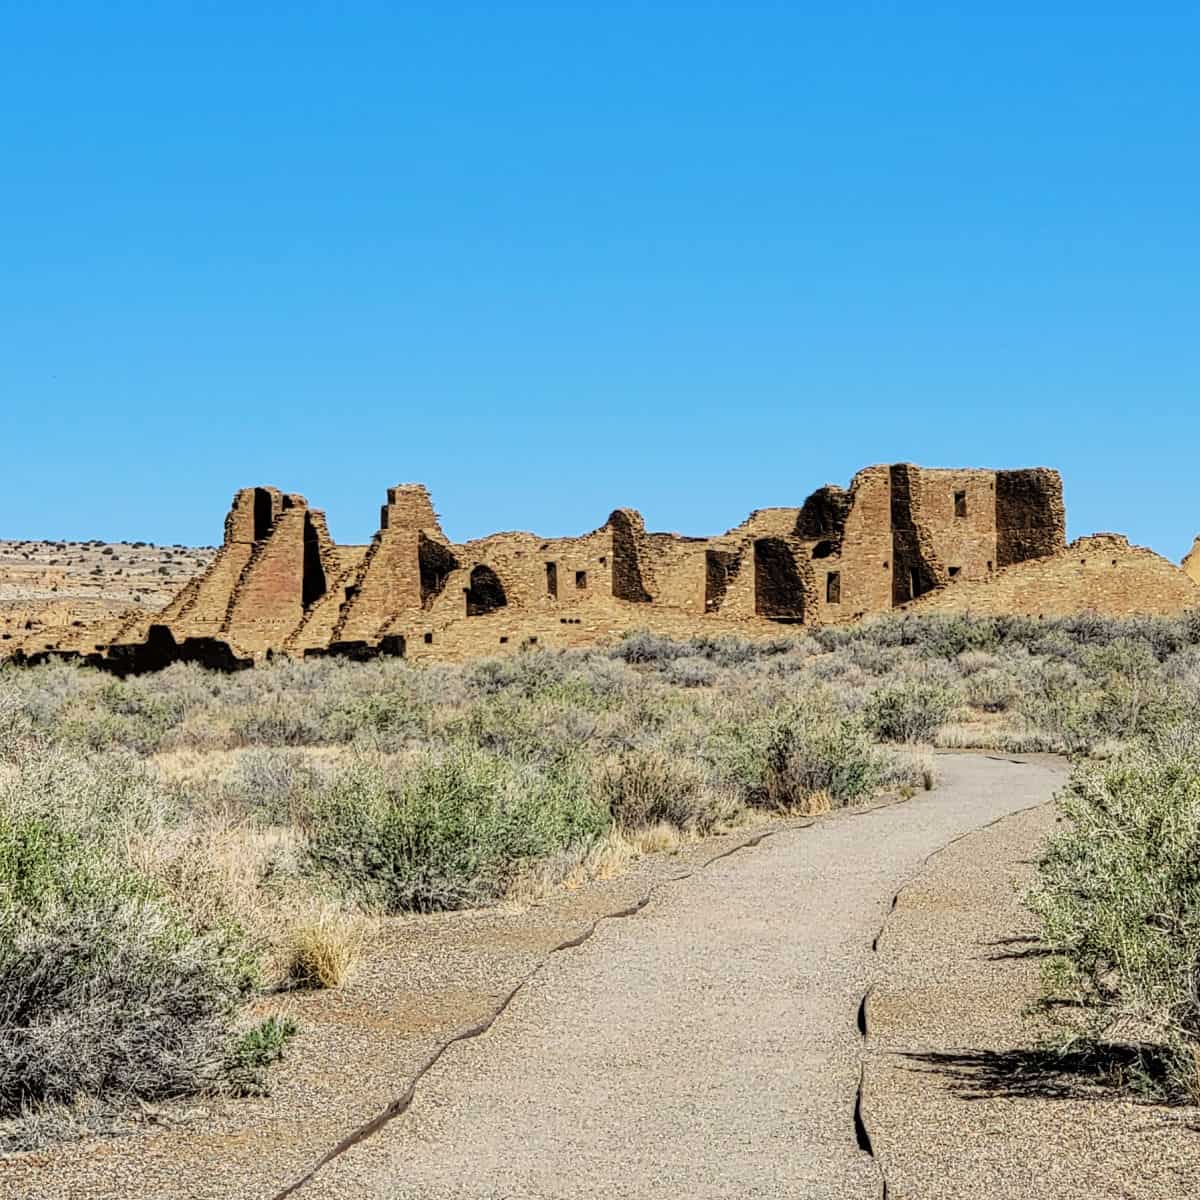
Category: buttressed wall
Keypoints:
(899, 536)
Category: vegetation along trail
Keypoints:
(709, 1045)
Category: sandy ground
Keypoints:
(958, 1099)
(709, 1044)
(423, 979)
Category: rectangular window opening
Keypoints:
(960, 504)
(503, 640)
(833, 587)
(552, 580)
(429, 639)
(954, 571)
(581, 579)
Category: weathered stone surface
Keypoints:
(1191, 564)
(900, 536)
(1101, 574)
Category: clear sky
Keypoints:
(551, 259)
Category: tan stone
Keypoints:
(900, 537)
(1102, 574)
(1191, 564)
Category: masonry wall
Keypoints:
(961, 537)
(1102, 574)
(859, 552)
(959, 509)
(1031, 520)
(267, 601)
(1191, 564)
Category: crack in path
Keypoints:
(685, 1002)
(400, 1105)
(861, 1130)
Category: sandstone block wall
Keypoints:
(899, 536)
(1191, 564)
(1102, 574)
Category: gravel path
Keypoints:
(706, 1046)
(959, 1100)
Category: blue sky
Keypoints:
(550, 259)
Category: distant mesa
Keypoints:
(901, 537)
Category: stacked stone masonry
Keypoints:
(901, 537)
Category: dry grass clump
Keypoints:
(322, 949)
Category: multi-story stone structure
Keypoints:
(900, 536)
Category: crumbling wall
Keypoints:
(279, 584)
(485, 593)
(779, 585)
(1102, 574)
(1191, 564)
(721, 567)
(268, 600)
(436, 563)
(916, 567)
(321, 617)
(823, 515)
(1031, 519)
(859, 553)
(389, 576)
(201, 607)
(681, 571)
(958, 511)
(631, 567)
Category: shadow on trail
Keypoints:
(1019, 947)
(1091, 1071)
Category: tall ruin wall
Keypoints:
(900, 536)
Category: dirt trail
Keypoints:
(702, 1030)
(708, 1045)
(961, 1095)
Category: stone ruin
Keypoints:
(901, 537)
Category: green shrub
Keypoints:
(874, 659)
(280, 721)
(1135, 696)
(690, 672)
(971, 662)
(383, 719)
(646, 787)
(104, 988)
(529, 729)
(448, 831)
(780, 755)
(644, 647)
(256, 1049)
(991, 690)
(911, 710)
(811, 752)
(1118, 895)
(1057, 701)
(273, 786)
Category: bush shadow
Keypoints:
(1088, 1071)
